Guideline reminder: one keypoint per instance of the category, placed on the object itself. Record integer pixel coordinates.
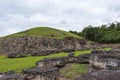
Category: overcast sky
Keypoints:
(18, 15)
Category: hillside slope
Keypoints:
(44, 32)
(42, 41)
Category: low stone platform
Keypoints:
(41, 73)
(101, 75)
(10, 75)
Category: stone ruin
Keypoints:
(50, 73)
(10, 75)
(46, 69)
(83, 59)
(105, 59)
(101, 75)
(52, 62)
(56, 62)
(37, 46)
(105, 65)
(62, 61)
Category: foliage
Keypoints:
(77, 33)
(109, 33)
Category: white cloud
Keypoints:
(18, 15)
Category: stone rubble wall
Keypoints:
(50, 73)
(101, 75)
(105, 59)
(29, 45)
(62, 61)
(10, 75)
(105, 65)
(43, 71)
(46, 69)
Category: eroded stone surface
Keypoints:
(50, 73)
(101, 75)
(29, 45)
(10, 75)
(106, 59)
(105, 65)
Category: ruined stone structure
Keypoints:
(10, 75)
(105, 59)
(50, 73)
(52, 62)
(62, 61)
(46, 69)
(105, 65)
(101, 75)
(83, 59)
(30, 45)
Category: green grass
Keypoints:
(45, 32)
(74, 70)
(18, 64)
(107, 49)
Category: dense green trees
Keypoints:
(102, 34)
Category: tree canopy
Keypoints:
(109, 33)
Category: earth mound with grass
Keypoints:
(44, 32)
(42, 41)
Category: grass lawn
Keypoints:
(17, 64)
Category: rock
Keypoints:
(51, 73)
(101, 75)
(98, 51)
(10, 72)
(109, 60)
(10, 75)
(83, 59)
(71, 54)
(16, 55)
(52, 62)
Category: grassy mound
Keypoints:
(44, 32)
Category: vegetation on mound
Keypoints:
(45, 32)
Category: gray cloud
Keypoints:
(18, 15)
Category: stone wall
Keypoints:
(52, 62)
(101, 75)
(62, 61)
(50, 73)
(10, 75)
(46, 69)
(23, 46)
(105, 59)
(105, 65)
